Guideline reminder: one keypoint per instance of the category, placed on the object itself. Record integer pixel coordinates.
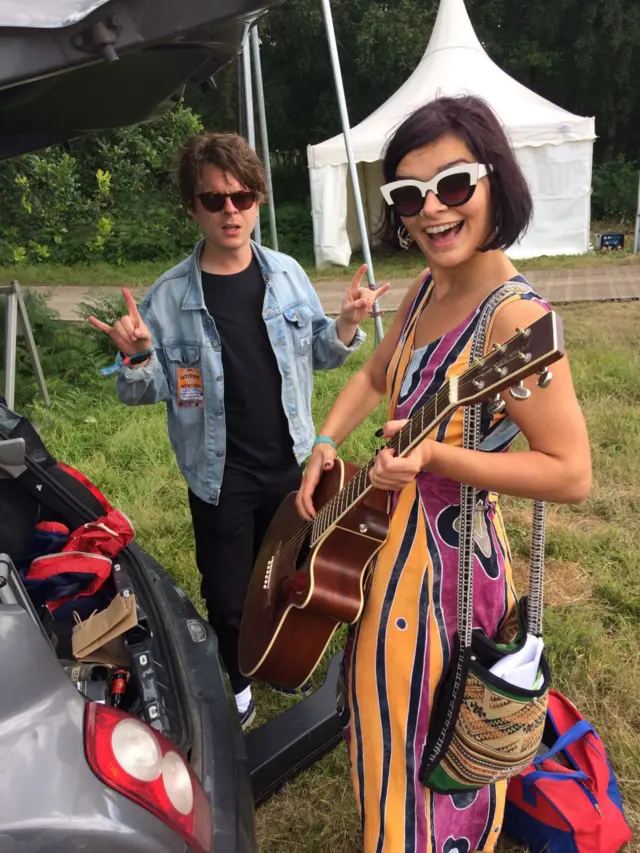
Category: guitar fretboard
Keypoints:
(421, 423)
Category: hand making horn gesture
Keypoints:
(129, 333)
(358, 301)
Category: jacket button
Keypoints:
(218, 411)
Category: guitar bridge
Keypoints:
(267, 575)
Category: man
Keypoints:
(229, 339)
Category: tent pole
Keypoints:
(264, 138)
(636, 240)
(353, 170)
(248, 105)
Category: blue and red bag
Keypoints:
(83, 565)
(568, 800)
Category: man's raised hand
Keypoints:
(129, 333)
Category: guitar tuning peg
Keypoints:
(545, 378)
(520, 392)
(496, 405)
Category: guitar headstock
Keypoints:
(529, 351)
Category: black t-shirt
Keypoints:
(258, 435)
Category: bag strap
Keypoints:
(528, 779)
(576, 732)
(471, 441)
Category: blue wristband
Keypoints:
(126, 361)
(324, 439)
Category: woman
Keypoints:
(455, 189)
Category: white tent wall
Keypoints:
(329, 215)
(559, 178)
(370, 178)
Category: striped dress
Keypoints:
(399, 650)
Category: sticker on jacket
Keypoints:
(190, 390)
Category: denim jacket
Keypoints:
(185, 335)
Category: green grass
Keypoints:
(593, 636)
(387, 266)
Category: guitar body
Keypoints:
(300, 595)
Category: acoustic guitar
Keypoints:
(309, 577)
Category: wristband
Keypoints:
(137, 358)
(324, 439)
(127, 360)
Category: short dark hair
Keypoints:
(473, 121)
(228, 152)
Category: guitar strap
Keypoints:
(471, 440)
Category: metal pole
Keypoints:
(10, 341)
(31, 346)
(636, 241)
(264, 138)
(353, 170)
(248, 104)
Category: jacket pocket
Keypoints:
(179, 355)
(186, 422)
(298, 319)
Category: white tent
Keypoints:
(554, 148)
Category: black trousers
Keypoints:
(228, 537)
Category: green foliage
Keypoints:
(108, 197)
(295, 230)
(615, 190)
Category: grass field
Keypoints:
(593, 571)
(387, 265)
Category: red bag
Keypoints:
(108, 535)
(83, 565)
(568, 800)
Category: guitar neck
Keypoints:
(528, 352)
(422, 422)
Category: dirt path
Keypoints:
(558, 286)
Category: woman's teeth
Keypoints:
(441, 229)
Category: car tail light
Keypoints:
(144, 766)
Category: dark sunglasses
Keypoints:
(241, 200)
(453, 187)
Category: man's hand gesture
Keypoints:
(358, 301)
(129, 333)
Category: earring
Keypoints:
(404, 238)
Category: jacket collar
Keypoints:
(194, 296)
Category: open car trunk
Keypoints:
(45, 494)
(174, 682)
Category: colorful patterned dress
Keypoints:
(399, 650)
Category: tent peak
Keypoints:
(453, 29)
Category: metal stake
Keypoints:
(248, 105)
(353, 170)
(10, 342)
(17, 310)
(264, 138)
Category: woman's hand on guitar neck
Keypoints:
(322, 459)
(391, 473)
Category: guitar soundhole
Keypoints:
(296, 583)
(302, 554)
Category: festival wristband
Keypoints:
(127, 360)
(324, 439)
